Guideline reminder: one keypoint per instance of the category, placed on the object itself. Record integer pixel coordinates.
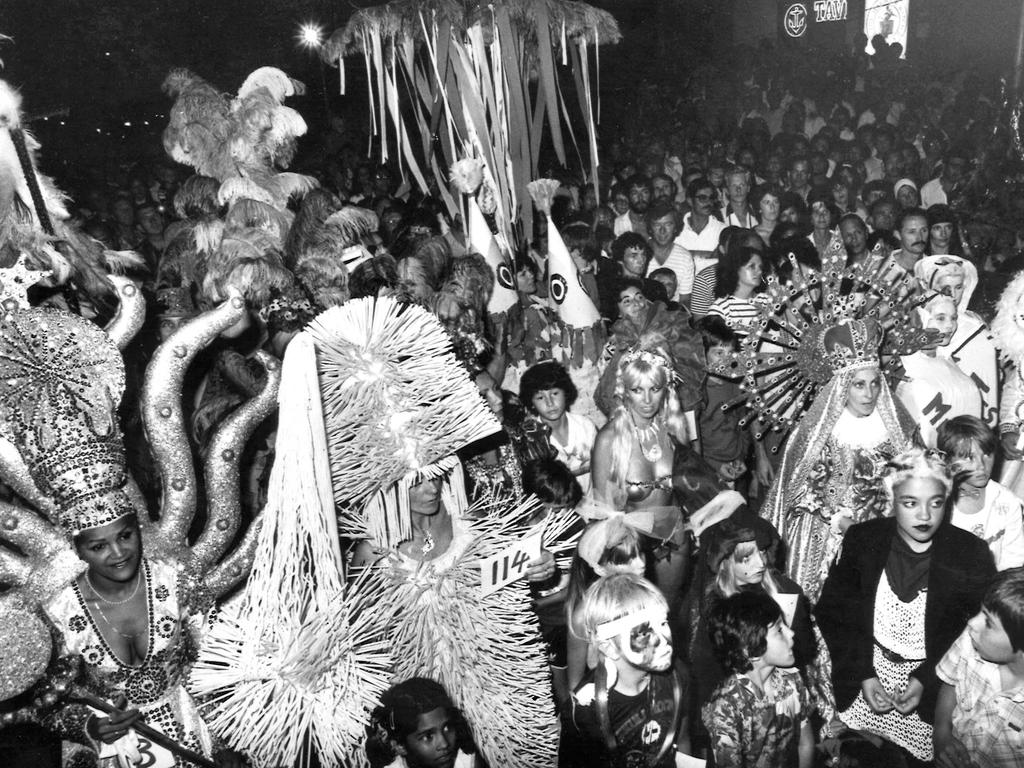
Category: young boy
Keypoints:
(979, 717)
(758, 717)
(725, 444)
(632, 710)
(984, 507)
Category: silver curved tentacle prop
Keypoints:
(221, 470)
(51, 561)
(14, 472)
(165, 423)
(131, 311)
(233, 569)
(14, 569)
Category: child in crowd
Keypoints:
(724, 442)
(760, 716)
(979, 717)
(418, 726)
(982, 506)
(633, 709)
(552, 482)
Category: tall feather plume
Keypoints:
(352, 223)
(542, 192)
(467, 174)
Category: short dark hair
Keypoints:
(580, 236)
(638, 180)
(956, 435)
(697, 184)
(1005, 598)
(910, 213)
(629, 240)
(714, 331)
(546, 375)
(854, 217)
(738, 626)
(552, 482)
(660, 210)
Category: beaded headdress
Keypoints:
(820, 324)
(61, 380)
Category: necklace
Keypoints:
(428, 540)
(138, 580)
(650, 434)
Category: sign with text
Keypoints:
(829, 10)
(508, 565)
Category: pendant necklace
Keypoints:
(138, 580)
(651, 434)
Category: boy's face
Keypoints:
(976, 466)
(648, 645)
(990, 639)
(718, 354)
(779, 652)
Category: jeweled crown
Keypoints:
(61, 379)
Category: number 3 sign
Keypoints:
(508, 565)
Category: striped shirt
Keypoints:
(739, 314)
(681, 262)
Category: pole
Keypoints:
(1018, 62)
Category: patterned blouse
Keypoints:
(754, 729)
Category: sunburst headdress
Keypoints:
(821, 324)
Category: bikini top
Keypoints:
(638, 490)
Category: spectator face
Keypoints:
(382, 182)
(954, 169)
(913, 235)
(820, 216)
(855, 238)
(747, 564)
(704, 202)
(489, 392)
(663, 230)
(789, 215)
(751, 273)
(639, 199)
(919, 506)
(526, 281)
(718, 354)
(799, 173)
(632, 303)
(716, 175)
(605, 217)
(884, 217)
(669, 281)
(942, 318)
(975, 467)
(150, 220)
(769, 207)
(862, 392)
(549, 404)
(939, 236)
(895, 168)
(841, 194)
(746, 158)
(989, 638)
(434, 743)
(779, 642)
(663, 189)
(739, 188)
(907, 197)
(124, 212)
(634, 262)
(952, 286)
(620, 203)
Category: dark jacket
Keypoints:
(960, 571)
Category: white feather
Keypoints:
(10, 106)
(273, 79)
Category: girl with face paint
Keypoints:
(632, 710)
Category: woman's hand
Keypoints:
(907, 701)
(877, 697)
(110, 729)
(541, 569)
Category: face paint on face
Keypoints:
(648, 645)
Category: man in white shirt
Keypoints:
(701, 230)
(663, 222)
(938, 189)
(639, 190)
(737, 212)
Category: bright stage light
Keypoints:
(310, 35)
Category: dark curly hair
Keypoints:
(398, 715)
(552, 482)
(738, 626)
(546, 375)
